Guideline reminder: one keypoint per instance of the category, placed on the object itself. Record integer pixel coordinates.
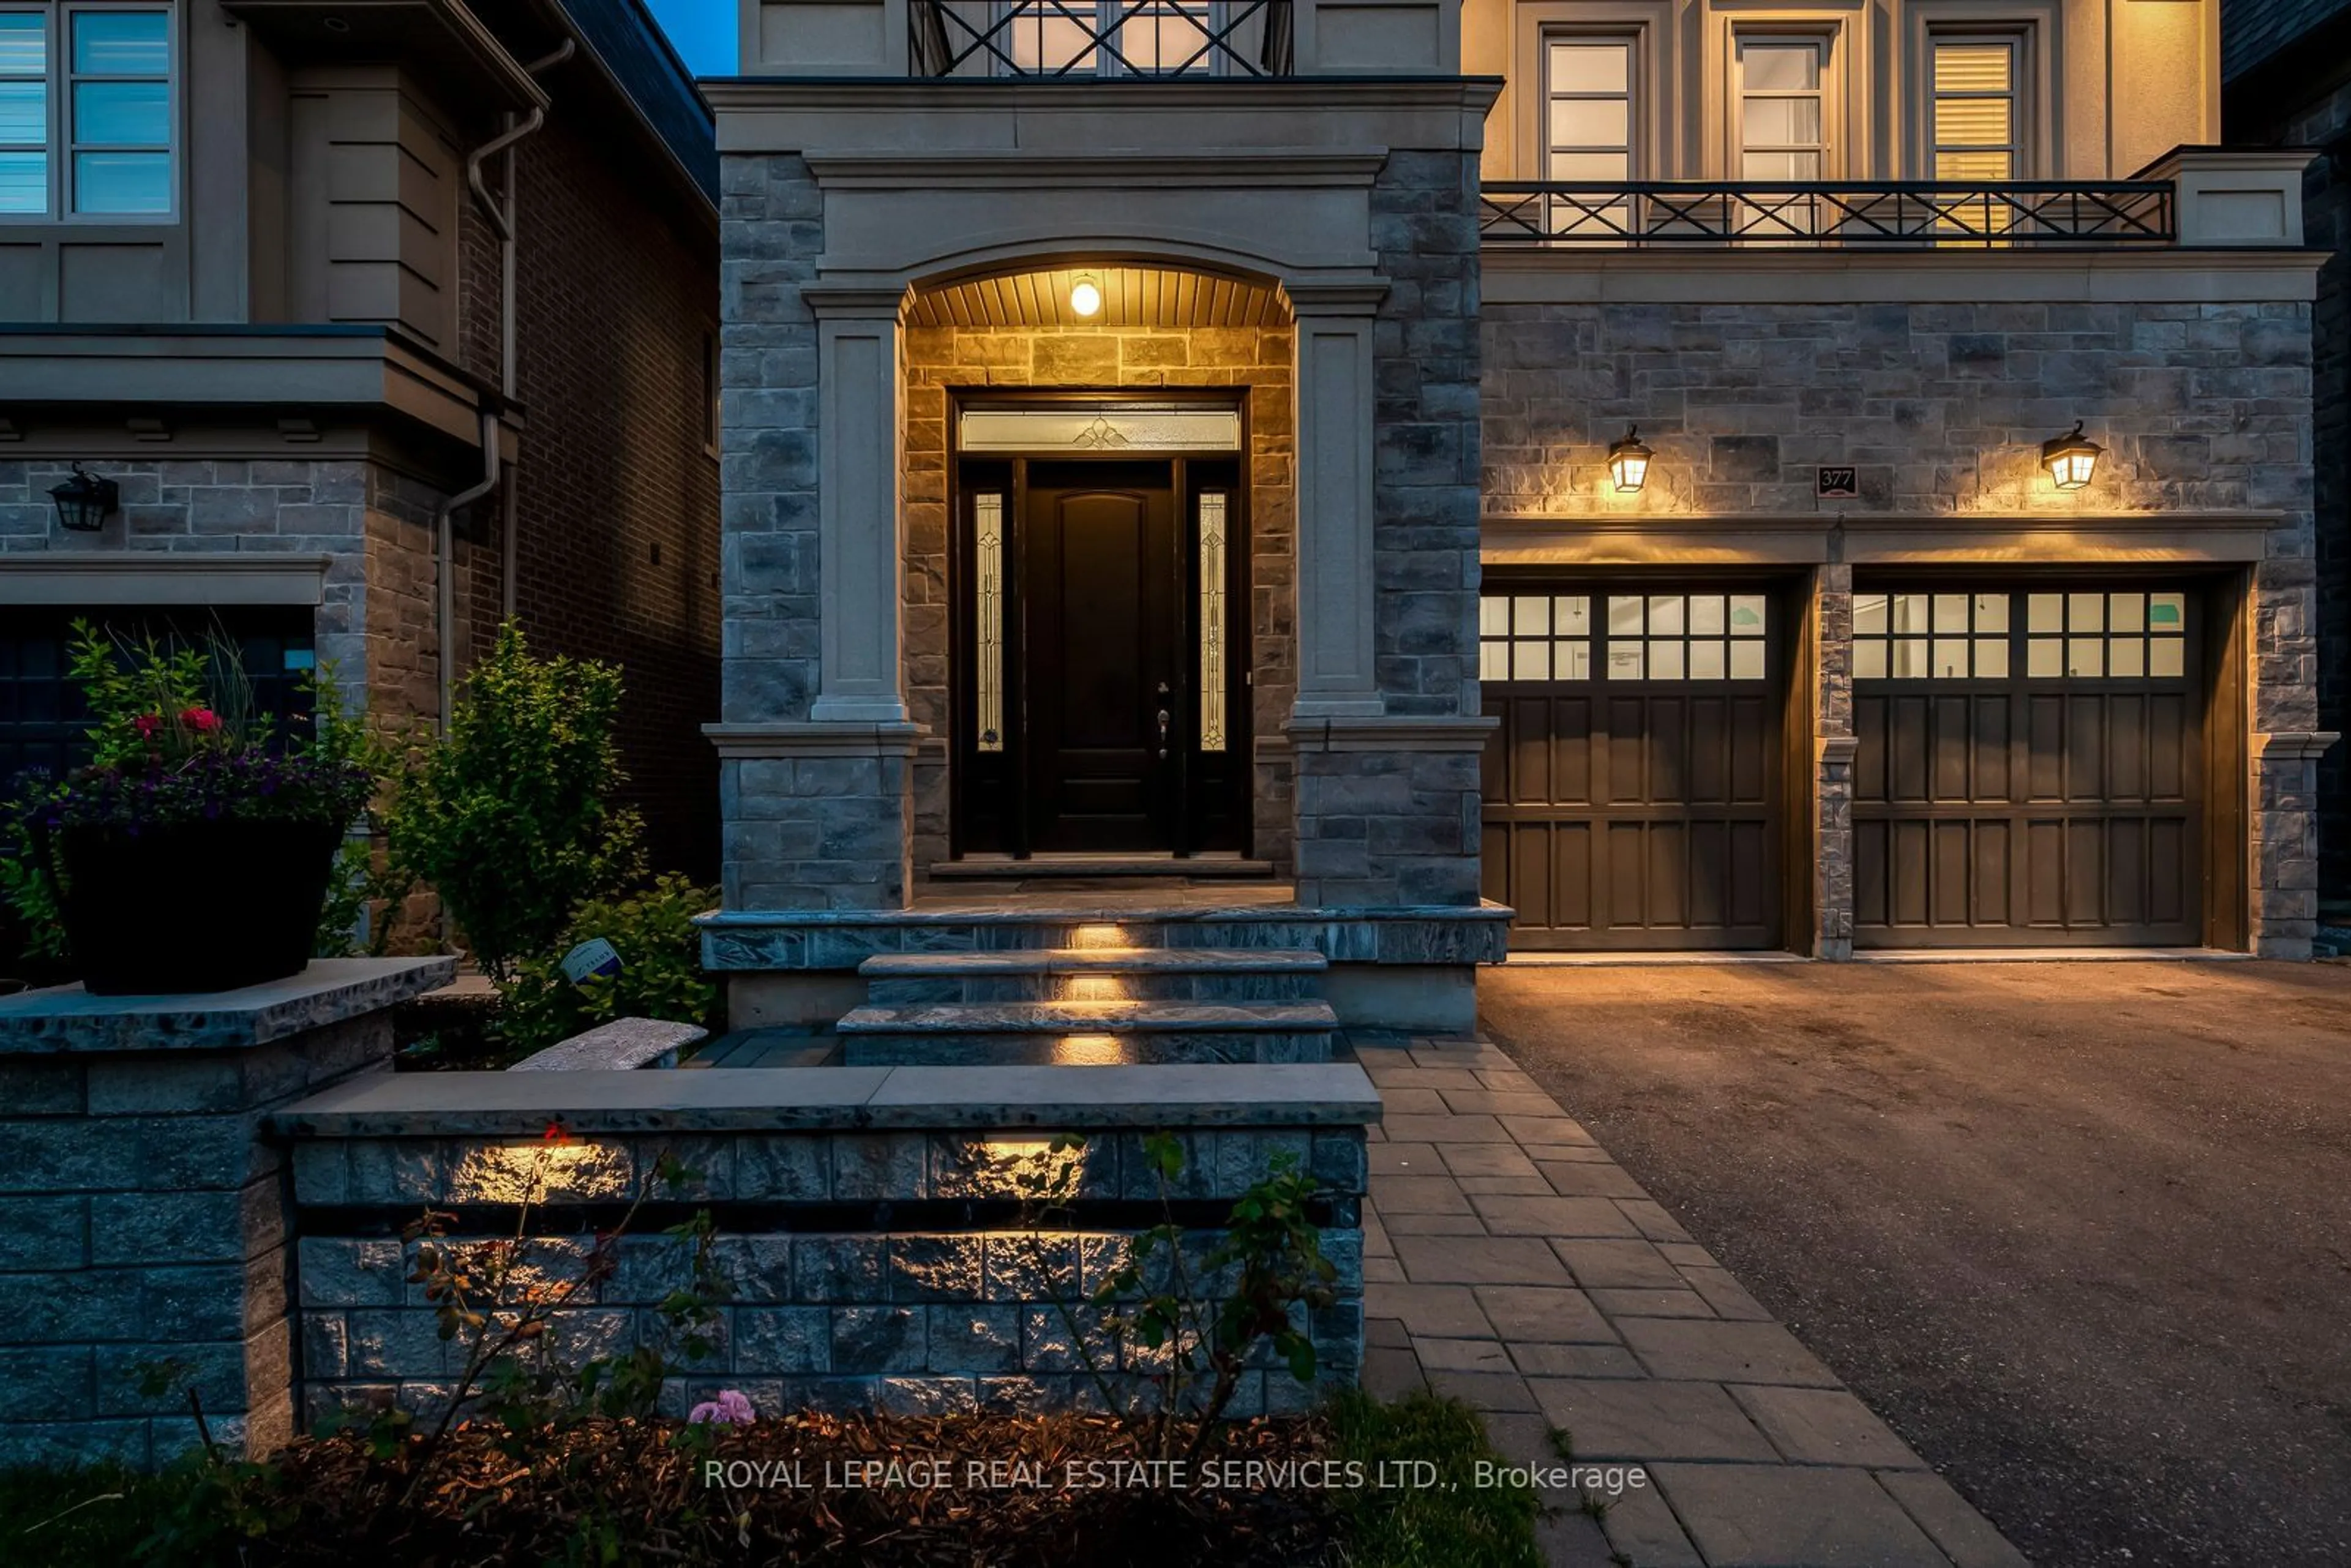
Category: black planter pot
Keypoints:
(193, 906)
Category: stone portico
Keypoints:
(1308, 250)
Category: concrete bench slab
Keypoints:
(623, 1045)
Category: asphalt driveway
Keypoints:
(2080, 1232)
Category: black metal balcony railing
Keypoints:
(1086, 38)
(1925, 214)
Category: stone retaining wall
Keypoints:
(149, 1248)
(891, 1267)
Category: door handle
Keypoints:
(1163, 733)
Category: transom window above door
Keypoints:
(1782, 112)
(1624, 637)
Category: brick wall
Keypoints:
(616, 492)
(1259, 359)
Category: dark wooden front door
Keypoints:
(1102, 579)
(1631, 790)
(1101, 655)
(2031, 765)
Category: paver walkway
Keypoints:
(1511, 1263)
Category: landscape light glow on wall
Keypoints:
(2071, 458)
(85, 501)
(1085, 297)
(1628, 461)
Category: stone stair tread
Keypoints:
(1098, 961)
(1089, 1017)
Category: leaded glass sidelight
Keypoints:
(987, 575)
(1213, 636)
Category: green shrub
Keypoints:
(661, 968)
(510, 816)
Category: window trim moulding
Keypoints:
(149, 577)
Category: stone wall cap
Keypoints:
(818, 1099)
(946, 909)
(59, 1018)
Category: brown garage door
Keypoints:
(1632, 788)
(2031, 767)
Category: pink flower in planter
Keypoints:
(147, 724)
(203, 720)
(731, 1408)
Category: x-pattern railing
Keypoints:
(947, 41)
(1921, 213)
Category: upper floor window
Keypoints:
(1974, 131)
(1588, 120)
(1783, 119)
(85, 111)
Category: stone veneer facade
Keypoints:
(844, 821)
(2206, 409)
(369, 517)
(1383, 823)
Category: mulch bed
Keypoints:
(828, 1493)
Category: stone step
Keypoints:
(1007, 1050)
(1096, 1033)
(1095, 975)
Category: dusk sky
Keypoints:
(703, 32)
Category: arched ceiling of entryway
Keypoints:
(1132, 295)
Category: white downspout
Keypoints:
(501, 219)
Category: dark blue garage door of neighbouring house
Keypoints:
(41, 713)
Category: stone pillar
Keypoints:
(2285, 744)
(2285, 841)
(812, 780)
(861, 547)
(1337, 673)
(147, 1209)
(1833, 747)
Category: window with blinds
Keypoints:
(1974, 134)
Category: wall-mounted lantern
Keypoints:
(1628, 461)
(2071, 458)
(86, 501)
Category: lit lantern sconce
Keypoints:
(1628, 463)
(86, 501)
(2072, 458)
(1085, 297)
